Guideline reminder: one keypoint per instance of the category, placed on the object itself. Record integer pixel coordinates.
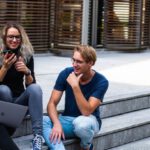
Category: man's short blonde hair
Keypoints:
(87, 52)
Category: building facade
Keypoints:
(59, 25)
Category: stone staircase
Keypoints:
(124, 121)
(143, 144)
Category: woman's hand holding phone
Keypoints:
(8, 60)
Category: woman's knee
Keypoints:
(4, 89)
(5, 93)
(34, 88)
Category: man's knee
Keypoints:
(80, 125)
(81, 121)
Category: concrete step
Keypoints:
(143, 144)
(109, 108)
(24, 142)
(116, 131)
(122, 129)
(113, 107)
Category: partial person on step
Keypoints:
(84, 90)
(18, 84)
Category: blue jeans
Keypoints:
(83, 127)
(31, 97)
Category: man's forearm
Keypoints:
(82, 103)
(52, 112)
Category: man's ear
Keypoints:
(91, 63)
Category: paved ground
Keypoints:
(128, 73)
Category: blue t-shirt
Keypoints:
(95, 88)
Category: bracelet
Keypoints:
(28, 72)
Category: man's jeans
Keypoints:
(31, 97)
(83, 127)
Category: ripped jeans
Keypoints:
(83, 127)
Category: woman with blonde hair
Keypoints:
(17, 82)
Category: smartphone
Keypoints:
(8, 52)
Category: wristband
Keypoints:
(28, 72)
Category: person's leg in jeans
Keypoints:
(6, 142)
(85, 127)
(5, 94)
(32, 97)
(67, 126)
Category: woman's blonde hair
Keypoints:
(87, 52)
(26, 48)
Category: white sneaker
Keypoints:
(37, 142)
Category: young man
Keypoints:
(84, 92)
